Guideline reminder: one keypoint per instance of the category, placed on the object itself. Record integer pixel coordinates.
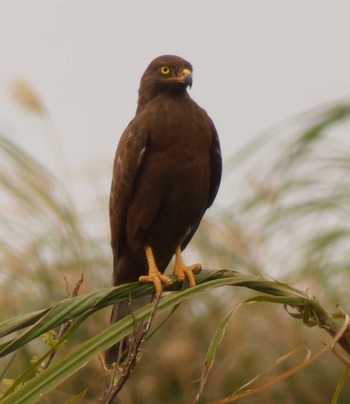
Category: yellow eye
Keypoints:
(165, 70)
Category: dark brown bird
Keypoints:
(166, 173)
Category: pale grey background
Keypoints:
(256, 63)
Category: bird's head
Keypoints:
(165, 74)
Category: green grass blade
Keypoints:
(340, 385)
(52, 377)
(88, 304)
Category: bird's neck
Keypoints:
(148, 94)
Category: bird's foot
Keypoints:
(182, 271)
(158, 279)
(154, 276)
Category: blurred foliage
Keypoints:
(285, 216)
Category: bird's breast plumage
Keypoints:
(172, 186)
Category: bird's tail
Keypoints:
(118, 352)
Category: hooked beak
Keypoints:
(185, 77)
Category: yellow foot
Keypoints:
(158, 280)
(182, 271)
(154, 276)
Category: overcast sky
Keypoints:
(256, 63)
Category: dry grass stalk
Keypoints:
(25, 96)
(127, 367)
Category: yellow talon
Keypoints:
(182, 271)
(154, 276)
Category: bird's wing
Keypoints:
(215, 179)
(215, 166)
(128, 160)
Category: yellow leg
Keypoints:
(182, 271)
(154, 275)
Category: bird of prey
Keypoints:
(166, 173)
